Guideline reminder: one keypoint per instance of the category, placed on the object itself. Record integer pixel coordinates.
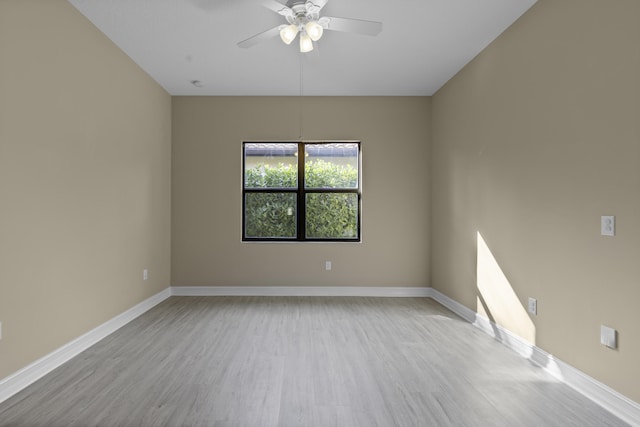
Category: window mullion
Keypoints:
(301, 211)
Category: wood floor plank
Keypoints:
(299, 361)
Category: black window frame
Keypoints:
(301, 193)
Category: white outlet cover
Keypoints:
(533, 306)
(327, 265)
(608, 225)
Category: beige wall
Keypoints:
(84, 180)
(532, 142)
(207, 178)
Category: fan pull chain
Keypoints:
(300, 100)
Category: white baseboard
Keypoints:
(453, 305)
(508, 338)
(315, 291)
(36, 370)
(616, 403)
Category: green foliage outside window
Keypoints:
(328, 215)
(331, 215)
(267, 176)
(270, 215)
(322, 174)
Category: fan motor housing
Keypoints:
(303, 12)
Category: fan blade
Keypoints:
(278, 7)
(315, 5)
(259, 38)
(369, 28)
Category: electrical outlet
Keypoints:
(145, 274)
(608, 337)
(533, 306)
(608, 225)
(327, 265)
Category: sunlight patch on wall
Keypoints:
(497, 300)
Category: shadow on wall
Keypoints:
(497, 300)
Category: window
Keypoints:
(301, 191)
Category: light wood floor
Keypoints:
(296, 361)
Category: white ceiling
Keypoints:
(422, 45)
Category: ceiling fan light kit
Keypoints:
(306, 44)
(314, 30)
(304, 18)
(288, 33)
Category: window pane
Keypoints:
(332, 216)
(331, 165)
(270, 165)
(270, 215)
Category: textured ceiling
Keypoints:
(422, 45)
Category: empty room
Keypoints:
(321, 213)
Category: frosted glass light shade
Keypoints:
(306, 45)
(314, 30)
(288, 33)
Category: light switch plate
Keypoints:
(608, 337)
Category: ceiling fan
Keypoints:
(304, 17)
